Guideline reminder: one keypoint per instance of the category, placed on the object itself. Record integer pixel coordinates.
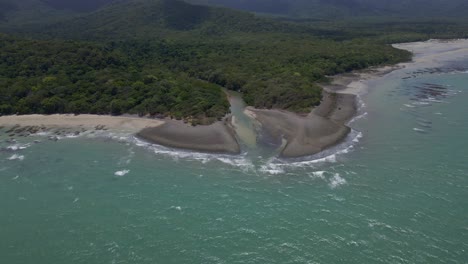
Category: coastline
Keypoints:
(295, 135)
(324, 127)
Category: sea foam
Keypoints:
(239, 161)
(318, 174)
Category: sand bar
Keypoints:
(216, 138)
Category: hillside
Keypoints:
(146, 19)
(326, 9)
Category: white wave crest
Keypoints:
(16, 157)
(421, 103)
(121, 173)
(42, 134)
(358, 117)
(336, 181)
(16, 147)
(272, 168)
(239, 161)
(419, 130)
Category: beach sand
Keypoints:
(216, 138)
(120, 123)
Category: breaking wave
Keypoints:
(16, 157)
(121, 173)
(244, 162)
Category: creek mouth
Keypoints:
(289, 135)
(264, 132)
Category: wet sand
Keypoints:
(216, 138)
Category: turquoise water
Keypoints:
(399, 195)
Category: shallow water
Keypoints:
(398, 194)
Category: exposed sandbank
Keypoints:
(216, 138)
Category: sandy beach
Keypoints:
(120, 123)
(432, 52)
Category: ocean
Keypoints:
(395, 192)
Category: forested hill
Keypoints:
(146, 19)
(326, 9)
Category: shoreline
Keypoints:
(216, 138)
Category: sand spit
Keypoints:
(88, 122)
(216, 138)
(326, 125)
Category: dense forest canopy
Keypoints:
(77, 77)
(171, 58)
